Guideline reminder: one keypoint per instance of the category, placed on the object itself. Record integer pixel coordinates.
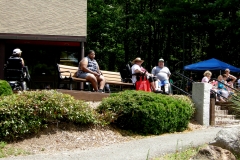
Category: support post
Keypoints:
(201, 99)
(2, 59)
(212, 111)
(82, 55)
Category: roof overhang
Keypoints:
(43, 37)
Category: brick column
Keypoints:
(201, 99)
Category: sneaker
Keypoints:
(100, 90)
(166, 93)
(158, 91)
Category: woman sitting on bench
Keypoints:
(89, 70)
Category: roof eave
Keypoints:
(43, 37)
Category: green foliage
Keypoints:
(146, 112)
(5, 88)
(177, 30)
(235, 108)
(27, 112)
(181, 154)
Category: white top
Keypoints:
(205, 80)
(161, 73)
(134, 68)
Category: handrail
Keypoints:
(218, 94)
(181, 90)
(180, 74)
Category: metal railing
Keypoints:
(179, 88)
(188, 94)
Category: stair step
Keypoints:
(227, 122)
(221, 112)
(223, 103)
(217, 107)
(225, 117)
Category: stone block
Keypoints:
(201, 99)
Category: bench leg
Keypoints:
(70, 85)
(58, 84)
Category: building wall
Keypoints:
(44, 17)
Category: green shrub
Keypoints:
(145, 112)
(235, 107)
(5, 88)
(27, 112)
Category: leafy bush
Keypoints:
(27, 112)
(5, 88)
(145, 112)
(235, 107)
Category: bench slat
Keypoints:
(69, 67)
(110, 73)
(111, 77)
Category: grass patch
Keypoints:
(181, 154)
(6, 151)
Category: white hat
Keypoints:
(138, 59)
(161, 60)
(17, 51)
(227, 70)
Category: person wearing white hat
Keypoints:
(162, 74)
(17, 54)
(137, 69)
(16, 62)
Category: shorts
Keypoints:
(82, 75)
(163, 82)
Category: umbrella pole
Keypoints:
(182, 83)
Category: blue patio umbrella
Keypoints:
(211, 64)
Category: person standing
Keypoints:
(162, 73)
(88, 69)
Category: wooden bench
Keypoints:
(69, 74)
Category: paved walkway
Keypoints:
(136, 149)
